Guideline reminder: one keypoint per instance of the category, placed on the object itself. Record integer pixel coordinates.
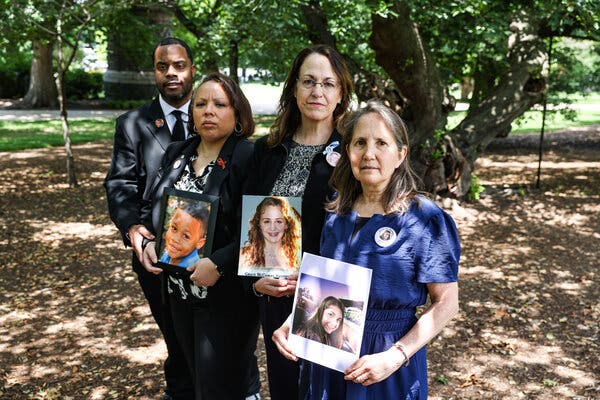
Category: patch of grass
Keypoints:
(30, 135)
(17, 135)
(532, 120)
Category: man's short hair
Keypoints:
(171, 40)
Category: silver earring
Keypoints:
(238, 128)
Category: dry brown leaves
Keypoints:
(74, 324)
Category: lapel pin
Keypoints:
(177, 163)
(221, 163)
(333, 158)
(159, 123)
(385, 236)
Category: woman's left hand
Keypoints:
(374, 368)
(204, 273)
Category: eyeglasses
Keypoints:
(309, 84)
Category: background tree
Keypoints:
(422, 46)
(18, 30)
(66, 23)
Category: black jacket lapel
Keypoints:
(221, 170)
(157, 124)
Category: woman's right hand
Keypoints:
(280, 338)
(149, 258)
(276, 287)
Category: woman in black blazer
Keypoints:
(296, 159)
(215, 319)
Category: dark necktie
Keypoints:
(178, 130)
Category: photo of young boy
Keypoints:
(185, 234)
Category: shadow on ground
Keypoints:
(74, 325)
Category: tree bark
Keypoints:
(42, 88)
(401, 52)
(63, 66)
(520, 88)
(233, 60)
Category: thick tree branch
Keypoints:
(521, 87)
(400, 51)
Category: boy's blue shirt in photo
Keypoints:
(187, 261)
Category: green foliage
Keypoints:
(442, 379)
(30, 135)
(14, 73)
(434, 145)
(550, 382)
(83, 85)
(475, 189)
(123, 104)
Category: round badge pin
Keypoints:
(385, 236)
(333, 158)
(159, 123)
(177, 164)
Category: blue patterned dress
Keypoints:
(426, 250)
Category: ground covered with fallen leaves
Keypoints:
(74, 324)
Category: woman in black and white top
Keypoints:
(296, 159)
(215, 319)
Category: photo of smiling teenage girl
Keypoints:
(296, 159)
(273, 237)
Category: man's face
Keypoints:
(174, 74)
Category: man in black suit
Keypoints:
(141, 138)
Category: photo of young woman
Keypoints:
(326, 324)
(273, 245)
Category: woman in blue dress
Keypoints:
(379, 221)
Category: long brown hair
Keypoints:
(255, 248)
(244, 122)
(288, 115)
(402, 187)
(313, 328)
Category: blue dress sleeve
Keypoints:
(439, 250)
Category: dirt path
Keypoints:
(74, 325)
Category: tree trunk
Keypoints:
(62, 100)
(523, 86)
(445, 160)
(402, 53)
(234, 56)
(42, 88)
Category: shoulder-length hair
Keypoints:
(288, 116)
(291, 241)
(313, 328)
(402, 187)
(244, 122)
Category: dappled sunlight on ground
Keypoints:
(74, 324)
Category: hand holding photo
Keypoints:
(271, 236)
(329, 311)
(186, 229)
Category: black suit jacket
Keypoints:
(226, 182)
(141, 138)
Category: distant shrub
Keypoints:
(83, 85)
(14, 79)
(123, 104)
